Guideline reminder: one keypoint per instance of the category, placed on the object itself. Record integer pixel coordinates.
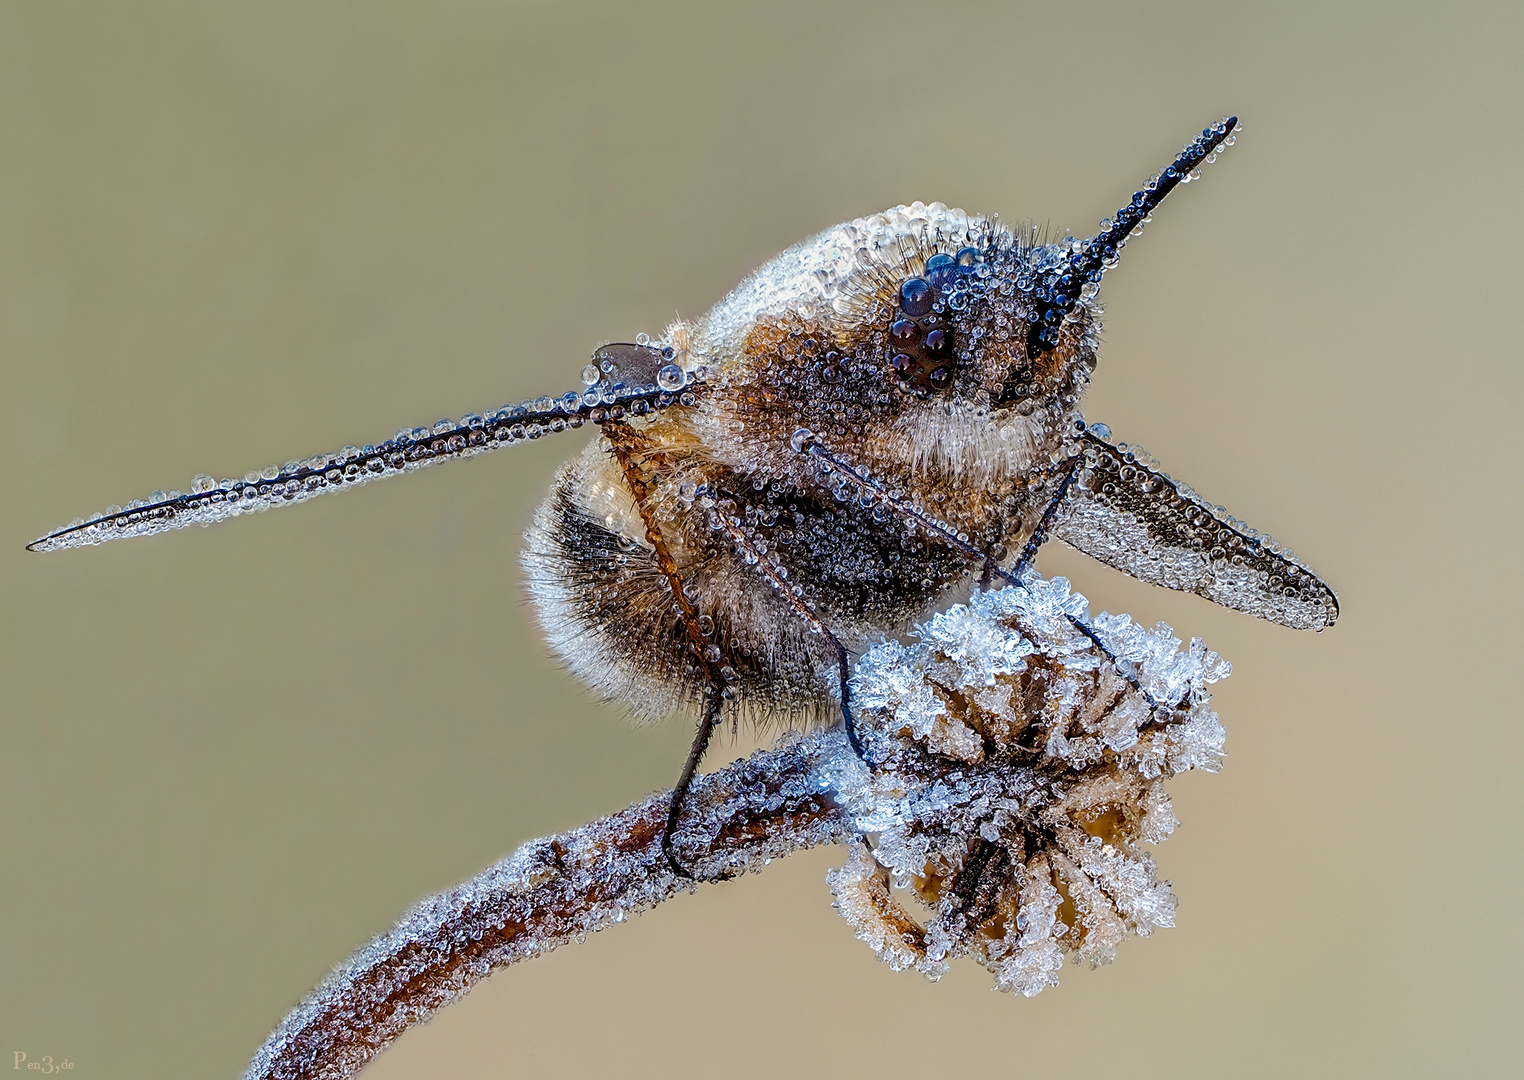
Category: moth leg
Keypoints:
(1040, 534)
(639, 463)
(805, 442)
(1039, 537)
(712, 702)
(750, 554)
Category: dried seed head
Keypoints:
(1016, 776)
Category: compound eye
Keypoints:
(921, 348)
(916, 297)
(921, 353)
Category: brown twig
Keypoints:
(551, 891)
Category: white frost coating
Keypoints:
(1016, 773)
(553, 891)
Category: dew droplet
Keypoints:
(916, 297)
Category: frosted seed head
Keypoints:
(994, 837)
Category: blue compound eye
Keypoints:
(916, 296)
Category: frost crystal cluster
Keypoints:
(1017, 770)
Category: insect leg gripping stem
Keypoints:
(639, 461)
(707, 723)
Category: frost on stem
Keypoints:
(1016, 770)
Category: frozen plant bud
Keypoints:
(1016, 776)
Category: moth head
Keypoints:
(958, 306)
(912, 329)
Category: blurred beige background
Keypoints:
(236, 233)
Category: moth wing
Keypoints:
(1123, 511)
(210, 501)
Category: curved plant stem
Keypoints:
(552, 891)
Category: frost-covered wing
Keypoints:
(211, 500)
(1128, 514)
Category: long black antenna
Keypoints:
(1061, 290)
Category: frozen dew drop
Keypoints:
(670, 377)
(591, 375)
(202, 484)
